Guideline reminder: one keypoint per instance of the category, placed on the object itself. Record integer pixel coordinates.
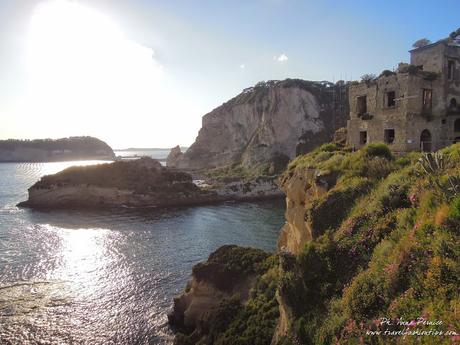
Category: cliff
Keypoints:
(269, 123)
(49, 150)
(218, 293)
(368, 236)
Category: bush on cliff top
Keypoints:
(373, 161)
(228, 264)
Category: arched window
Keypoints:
(457, 125)
(425, 141)
(453, 103)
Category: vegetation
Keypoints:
(421, 43)
(83, 144)
(228, 264)
(143, 176)
(368, 78)
(454, 34)
(386, 73)
(395, 254)
(260, 90)
(386, 245)
(237, 172)
(234, 322)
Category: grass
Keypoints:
(129, 175)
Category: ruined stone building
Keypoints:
(415, 108)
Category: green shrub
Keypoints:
(364, 298)
(225, 267)
(329, 147)
(386, 73)
(374, 161)
(377, 150)
(328, 211)
(454, 211)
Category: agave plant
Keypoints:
(433, 165)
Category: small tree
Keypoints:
(368, 77)
(421, 43)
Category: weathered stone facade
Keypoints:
(415, 108)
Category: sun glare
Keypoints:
(83, 72)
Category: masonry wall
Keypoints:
(406, 118)
(383, 117)
(431, 57)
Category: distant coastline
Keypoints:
(160, 154)
(54, 150)
(150, 149)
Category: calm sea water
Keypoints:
(103, 277)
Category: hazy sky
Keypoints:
(142, 73)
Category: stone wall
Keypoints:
(431, 57)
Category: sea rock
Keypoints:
(137, 183)
(230, 271)
(272, 121)
(173, 156)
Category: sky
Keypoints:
(138, 73)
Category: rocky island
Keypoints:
(367, 235)
(139, 183)
(50, 150)
(136, 183)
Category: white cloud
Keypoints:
(281, 58)
(242, 66)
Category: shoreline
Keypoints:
(217, 201)
(101, 159)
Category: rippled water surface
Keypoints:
(104, 277)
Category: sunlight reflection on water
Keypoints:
(99, 277)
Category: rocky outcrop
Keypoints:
(48, 150)
(137, 183)
(229, 272)
(340, 136)
(301, 186)
(271, 122)
(173, 156)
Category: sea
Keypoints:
(105, 277)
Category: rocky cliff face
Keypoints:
(301, 186)
(271, 122)
(48, 150)
(224, 281)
